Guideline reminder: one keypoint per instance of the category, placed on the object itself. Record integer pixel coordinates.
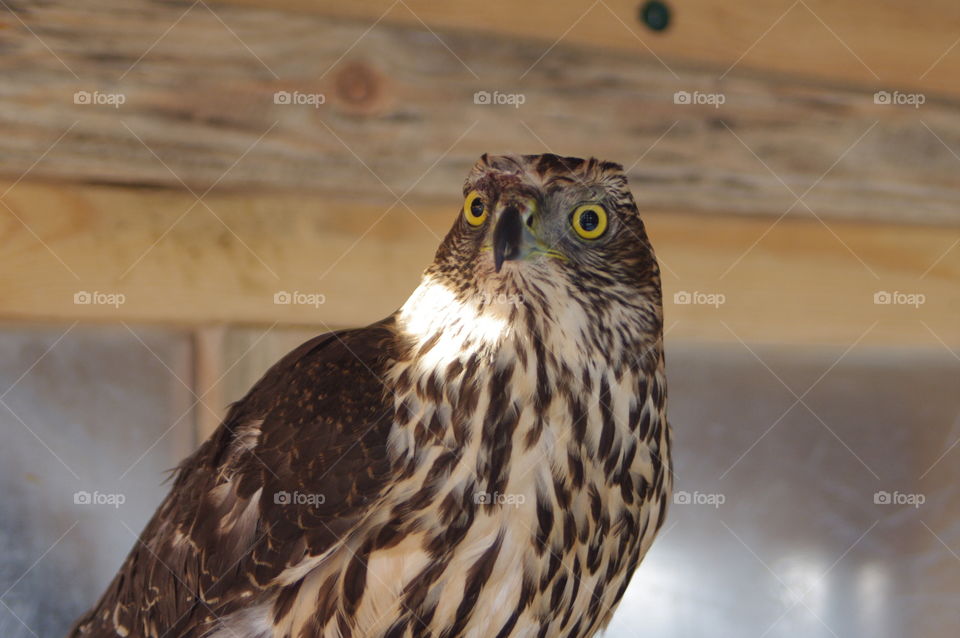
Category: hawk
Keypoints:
(492, 459)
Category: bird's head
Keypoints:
(559, 235)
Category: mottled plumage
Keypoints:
(490, 460)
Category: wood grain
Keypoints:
(399, 113)
(794, 282)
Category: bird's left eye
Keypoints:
(474, 209)
(589, 220)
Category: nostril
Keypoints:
(530, 221)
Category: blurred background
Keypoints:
(190, 189)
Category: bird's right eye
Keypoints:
(590, 220)
(474, 209)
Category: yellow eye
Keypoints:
(589, 220)
(474, 209)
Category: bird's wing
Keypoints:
(294, 466)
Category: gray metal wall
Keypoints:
(799, 547)
(781, 535)
(90, 410)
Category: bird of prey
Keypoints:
(492, 459)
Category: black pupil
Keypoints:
(476, 207)
(589, 220)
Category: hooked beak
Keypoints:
(507, 237)
(513, 239)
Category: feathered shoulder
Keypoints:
(293, 467)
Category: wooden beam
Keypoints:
(885, 45)
(797, 281)
(399, 110)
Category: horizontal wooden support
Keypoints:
(322, 262)
(875, 45)
(155, 94)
